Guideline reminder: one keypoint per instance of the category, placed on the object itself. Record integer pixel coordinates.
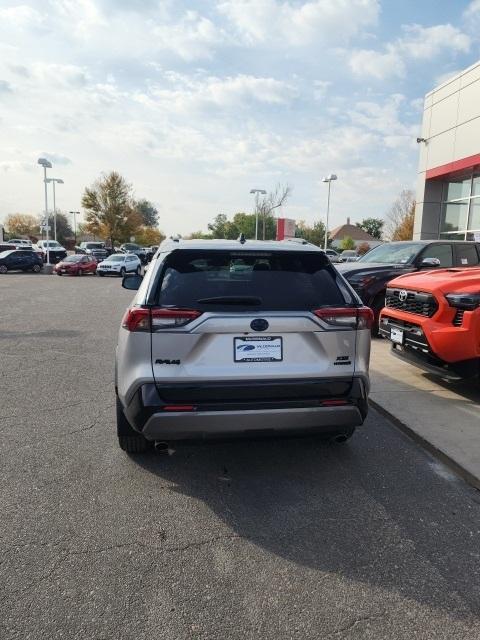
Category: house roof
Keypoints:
(352, 231)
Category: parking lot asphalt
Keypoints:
(267, 539)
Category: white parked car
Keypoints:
(20, 242)
(119, 264)
(349, 255)
(52, 249)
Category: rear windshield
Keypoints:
(236, 280)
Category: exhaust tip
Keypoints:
(339, 438)
(161, 446)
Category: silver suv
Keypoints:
(234, 338)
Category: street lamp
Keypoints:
(59, 181)
(46, 164)
(328, 179)
(257, 192)
(75, 214)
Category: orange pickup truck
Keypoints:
(432, 319)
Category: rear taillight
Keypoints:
(359, 318)
(163, 318)
(137, 319)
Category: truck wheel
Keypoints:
(129, 440)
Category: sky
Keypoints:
(196, 103)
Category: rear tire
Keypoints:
(129, 440)
(36, 268)
(3, 268)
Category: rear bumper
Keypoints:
(228, 409)
(210, 424)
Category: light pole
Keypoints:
(46, 165)
(59, 181)
(257, 192)
(75, 214)
(328, 179)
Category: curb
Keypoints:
(429, 447)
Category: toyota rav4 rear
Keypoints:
(433, 321)
(229, 338)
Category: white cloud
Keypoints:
(188, 93)
(378, 65)
(418, 43)
(319, 21)
(192, 37)
(424, 43)
(20, 16)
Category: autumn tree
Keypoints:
(363, 248)
(265, 205)
(401, 217)
(22, 224)
(148, 236)
(110, 208)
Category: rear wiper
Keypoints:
(247, 300)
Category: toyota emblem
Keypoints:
(403, 295)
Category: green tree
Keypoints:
(373, 226)
(148, 212)
(315, 234)
(347, 243)
(221, 227)
(110, 209)
(64, 230)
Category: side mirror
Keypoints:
(430, 263)
(132, 281)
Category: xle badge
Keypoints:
(342, 360)
(167, 361)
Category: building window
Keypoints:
(461, 208)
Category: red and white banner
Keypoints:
(285, 228)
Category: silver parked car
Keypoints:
(231, 337)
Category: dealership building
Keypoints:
(448, 187)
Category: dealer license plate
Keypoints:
(258, 349)
(396, 335)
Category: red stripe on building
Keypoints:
(453, 167)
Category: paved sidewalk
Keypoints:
(444, 417)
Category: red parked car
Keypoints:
(77, 265)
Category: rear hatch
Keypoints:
(252, 323)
